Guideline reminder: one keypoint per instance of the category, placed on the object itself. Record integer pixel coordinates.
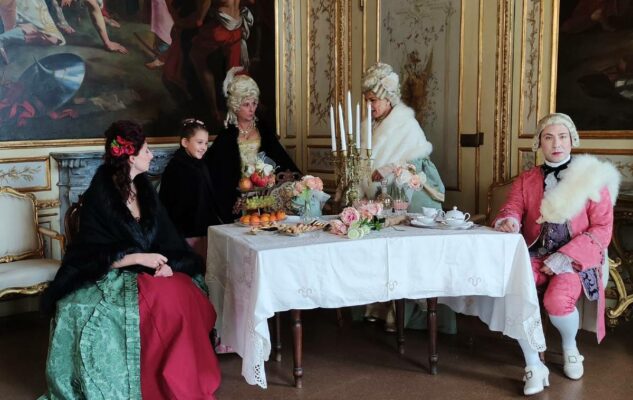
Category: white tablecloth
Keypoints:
(477, 272)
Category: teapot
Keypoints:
(456, 217)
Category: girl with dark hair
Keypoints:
(132, 319)
(186, 189)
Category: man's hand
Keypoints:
(546, 270)
(66, 3)
(508, 225)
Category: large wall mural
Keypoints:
(68, 68)
(421, 40)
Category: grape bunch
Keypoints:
(256, 202)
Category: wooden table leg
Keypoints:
(297, 334)
(277, 343)
(432, 327)
(400, 325)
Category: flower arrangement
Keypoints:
(357, 222)
(407, 178)
(120, 146)
(305, 190)
(260, 175)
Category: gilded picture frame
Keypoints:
(26, 174)
(593, 71)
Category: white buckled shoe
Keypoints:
(536, 379)
(573, 364)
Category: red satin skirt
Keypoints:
(177, 358)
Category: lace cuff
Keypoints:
(502, 220)
(559, 263)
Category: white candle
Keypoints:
(368, 126)
(349, 114)
(332, 129)
(342, 126)
(358, 126)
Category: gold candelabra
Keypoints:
(350, 167)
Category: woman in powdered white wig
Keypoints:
(398, 139)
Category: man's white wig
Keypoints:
(554, 119)
(383, 82)
(237, 89)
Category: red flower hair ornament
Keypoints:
(120, 146)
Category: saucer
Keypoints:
(420, 224)
(465, 225)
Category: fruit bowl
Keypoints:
(261, 219)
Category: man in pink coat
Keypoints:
(564, 209)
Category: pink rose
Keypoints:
(365, 211)
(337, 227)
(349, 215)
(375, 208)
(313, 183)
(415, 183)
(298, 188)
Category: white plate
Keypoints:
(437, 225)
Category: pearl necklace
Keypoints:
(244, 132)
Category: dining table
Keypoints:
(476, 271)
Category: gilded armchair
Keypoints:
(622, 270)
(24, 270)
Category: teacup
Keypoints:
(433, 213)
(425, 219)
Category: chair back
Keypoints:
(71, 220)
(497, 195)
(19, 238)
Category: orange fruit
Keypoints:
(273, 217)
(255, 219)
(246, 219)
(264, 218)
(281, 215)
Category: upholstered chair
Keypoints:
(23, 268)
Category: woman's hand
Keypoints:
(163, 271)
(376, 176)
(151, 260)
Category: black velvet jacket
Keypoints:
(187, 194)
(108, 232)
(223, 160)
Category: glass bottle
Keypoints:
(384, 198)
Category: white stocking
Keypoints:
(531, 356)
(567, 325)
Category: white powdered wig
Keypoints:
(237, 89)
(555, 119)
(383, 82)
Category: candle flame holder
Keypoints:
(350, 167)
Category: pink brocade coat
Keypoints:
(590, 229)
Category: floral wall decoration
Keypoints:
(25, 174)
(421, 40)
(321, 63)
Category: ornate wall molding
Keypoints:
(322, 16)
(77, 169)
(503, 89)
